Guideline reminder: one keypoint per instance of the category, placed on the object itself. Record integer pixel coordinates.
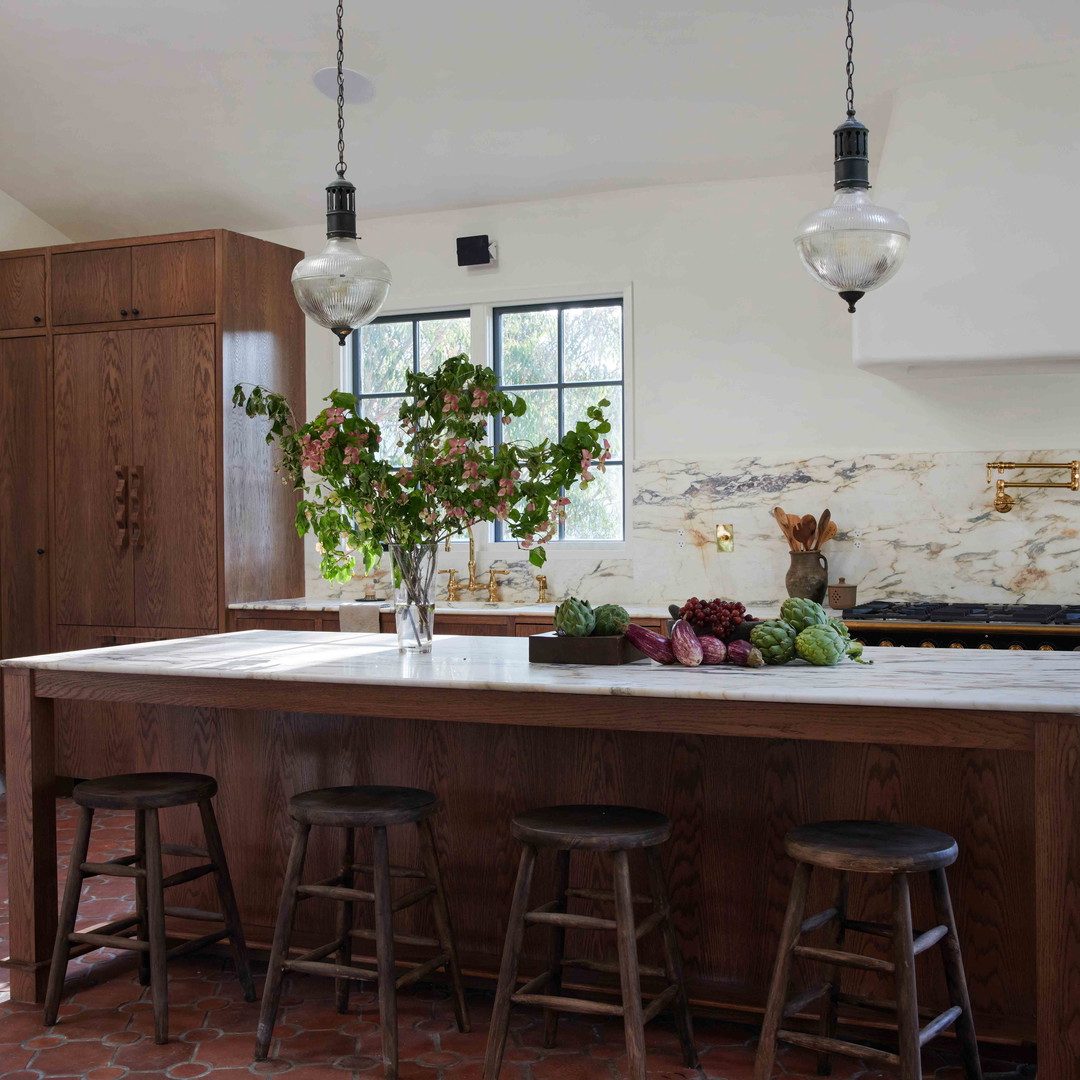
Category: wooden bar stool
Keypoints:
(144, 932)
(869, 847)
(349, 809)
(619, 830)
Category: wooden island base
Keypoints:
(734, 776)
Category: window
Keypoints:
(387, 349)
(560, 357)
(563, 358)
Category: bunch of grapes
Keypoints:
(716, 617)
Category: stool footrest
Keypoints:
(334, 892)
(862, 1001)
(928, 938)
(334, 971)
(611, 968)
(194, 944)
(190, 874)
(195, 914)
(939, 1024)
(184, 851)
(826, 1045)
(112, 868)
(565, 1004)
(605, 896)
(659, 1003)
(816, 922)
(564, 918)
(421, 971)
(537, 981)
(319, 952)
(395, 871)
(399, 939)
(876, 929)
(844, 959)
(649, 924)
(109, 941)
(414, 897)
(807, 997)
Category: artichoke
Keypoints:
(855, 652)
(821, 646)
(611, 620)
(776, 640)
(575, 618)
(801, 613)
(840, 627)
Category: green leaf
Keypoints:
(538, 556)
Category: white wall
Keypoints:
(985, 169)
(19, 228)
(736, 350)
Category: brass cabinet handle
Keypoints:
(120, 500)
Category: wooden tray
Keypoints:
(550, 648)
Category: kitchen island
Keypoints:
(985, 745)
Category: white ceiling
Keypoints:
(136, 116)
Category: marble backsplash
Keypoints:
(911, 527)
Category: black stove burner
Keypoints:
(1008, 614)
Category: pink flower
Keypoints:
(471, 470)
(564, 501)
(352, 455)
(506, 419)
(335, 416)
(405, 475)
(478, 503)
(506, 486)
(429, 489)
(479, 398)
(515, 473)
(530, 507)
(501, 510)
(450, 402)
(526, 544)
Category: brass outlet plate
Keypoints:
(725, 537)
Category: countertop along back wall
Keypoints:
(736, 351)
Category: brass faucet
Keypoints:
(1004, 502)
(493, 586)
(541, 589)
(453, 586)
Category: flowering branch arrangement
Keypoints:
(453, 478)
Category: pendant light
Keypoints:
(341, 288)
(853, 245)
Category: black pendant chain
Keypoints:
(849, 43)
(341, 166)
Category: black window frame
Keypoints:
(560, 386)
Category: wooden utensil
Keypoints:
(822, 525)
(804, 531)
(785, 527)
(793, 520)
(828, 534)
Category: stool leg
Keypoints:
(629, 975)
(558, 946)
(907, 1003)
(384, 952)
(778, 988)
(827, 1027)
(955, 977)
(443, 928)
(345, 919)
(155, 925)
(68, 913)
(228, 898)
(515, 931)
(140, 897)
(275, 973)
(673, 964)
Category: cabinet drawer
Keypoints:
(22, 292)
(91, 286)
(169, 280)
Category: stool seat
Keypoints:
(356, 807)
(145, 791)
(871, 847)
(591, 828)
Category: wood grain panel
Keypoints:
(262, 341)
(267, 622)
(24, 498)
(92, 564)
(22, 292)
(91, 286)
(474, 626)
(173, 423)
(169, 280)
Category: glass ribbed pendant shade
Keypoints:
(854, 245)
(341, 288)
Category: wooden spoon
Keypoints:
(828, 533)
(822, 525)
(785, 528)
(804, 531)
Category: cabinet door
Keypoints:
(172, 279)
(92, 563)
(91, 286)
(22, 292)
(175, 481)
(474, 625)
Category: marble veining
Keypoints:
(919, 678)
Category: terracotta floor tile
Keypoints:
(316, 1047)
(72, 1059)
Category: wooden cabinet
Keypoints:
(170, 280)
(91, 286)
(22, 292)
(116, 423)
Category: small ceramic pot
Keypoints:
(842, 595)
(808, 575)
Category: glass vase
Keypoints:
(414, 594)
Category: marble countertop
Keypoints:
(998, 680)
(464, 607)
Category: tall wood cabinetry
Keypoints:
(136, 502)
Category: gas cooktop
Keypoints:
(1000, 614)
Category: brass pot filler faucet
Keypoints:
(1003, 502)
